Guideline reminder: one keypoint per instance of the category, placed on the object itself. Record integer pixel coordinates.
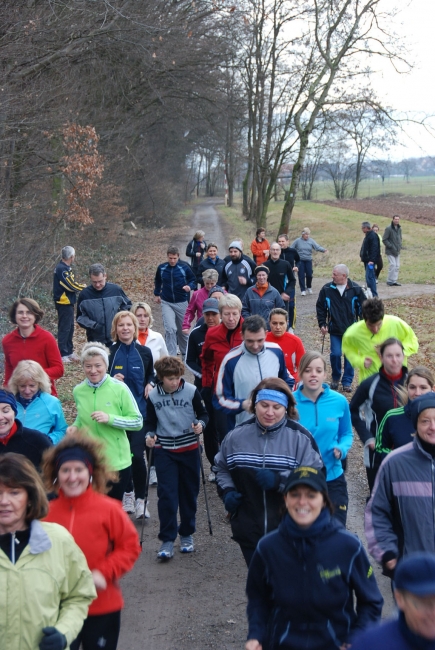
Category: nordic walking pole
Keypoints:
(147, 487)
(203, 485)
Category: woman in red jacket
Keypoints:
(30, 342)
(76, 469)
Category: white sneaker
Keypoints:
(66, 360)
(128, 502)
(141, 509)
(303, 293)
(212, 477)
(153, 475)
(74, 357)
(309, 290)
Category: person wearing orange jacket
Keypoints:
(260, 247)
(76, 469)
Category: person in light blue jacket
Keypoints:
(37, 408)
(325, 413)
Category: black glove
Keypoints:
(52, 639)
(267, 479)
(232, 500)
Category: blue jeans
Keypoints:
(335, 358)
(177, 487)
(371, 278)
(305, 268)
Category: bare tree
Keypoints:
(339, 34)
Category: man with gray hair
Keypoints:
(338, 307)
(65, 290)
(98, 304)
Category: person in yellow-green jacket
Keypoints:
(360, 341)
(46, 585)
(106, 408)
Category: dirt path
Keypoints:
(197, 601)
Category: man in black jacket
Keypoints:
(338, 307)
(369, 254)
(281, 278)
(211, 316)
(65, 290)
(98, 304)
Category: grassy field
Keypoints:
(417, 186)
(339, 231)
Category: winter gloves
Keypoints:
(232, 500)
(52, 639)
(267, 479)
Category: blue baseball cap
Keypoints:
(416, 573)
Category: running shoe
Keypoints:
(128, 502)
(153, 475)
(186, 544)
(166, 551)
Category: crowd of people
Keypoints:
(276, 434)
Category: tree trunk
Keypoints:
(291, 198)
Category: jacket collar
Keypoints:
(39, 541)
(271, 431)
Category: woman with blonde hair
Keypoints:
(132, 364)
(106, 408)
(194, 308)
(37, 408)
(76, 470)
(147, 336)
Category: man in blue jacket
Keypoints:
(369, 254)
(172, 285)
(414, 591)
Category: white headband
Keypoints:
(100, 351)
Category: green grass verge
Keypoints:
(339, 231)
(417, 186)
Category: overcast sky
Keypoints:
(413, 93)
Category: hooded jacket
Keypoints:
(359, 342)
(399, 517)
(96, 310)
(301, 586)
(250, 447)
(262, 304)
(45, 414)
(328, 420)
(115, 398)
(107, 537)
(49, 585)
(339, 311)
(40, 346)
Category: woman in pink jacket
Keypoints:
(210, 278)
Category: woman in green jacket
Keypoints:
(106, 408)
(46, 584)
